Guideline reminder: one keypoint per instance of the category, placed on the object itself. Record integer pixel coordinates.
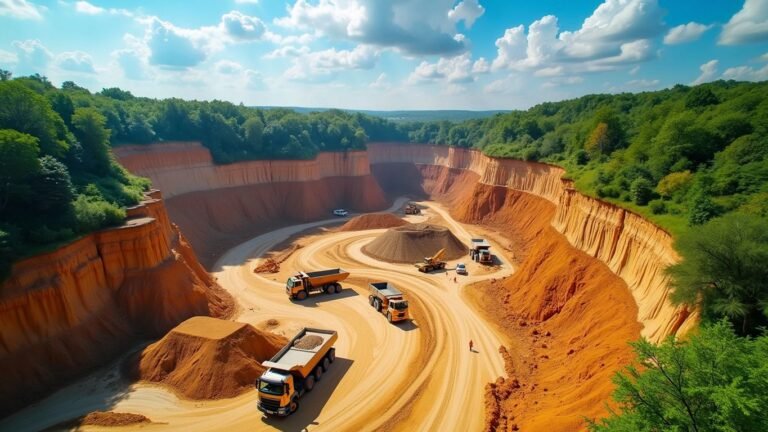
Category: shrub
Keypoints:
(92, 214)
(641, 191)
(657, 206)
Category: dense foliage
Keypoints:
(680, 156)
(57, 175)
(715, 381)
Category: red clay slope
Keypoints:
(567, 316)
(69, 310)
(218, 206)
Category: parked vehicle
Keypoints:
(388, 300)
(411, 209)
(340, 212)
(461, 269)
(301, 285)
(294, 370)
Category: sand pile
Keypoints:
(373, 221)
(268, 266)
(208, 358)
(100, 418)
(411, 243)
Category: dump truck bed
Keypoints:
(480, 243)
(385, 288)
(292, 358)
(323, 277)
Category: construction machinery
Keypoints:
(411, 209)
(388, 300)
(432, 263)
(294, 370)
(480, 251)
(302, 284)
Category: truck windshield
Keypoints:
(400, 305)
(290, 283)
(271, 388)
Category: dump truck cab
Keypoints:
(480, 251)
(388, 300)
(294, 371)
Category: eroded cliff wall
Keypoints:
(633, 248)
(69, 310)
(217, 206)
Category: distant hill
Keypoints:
(407, 115)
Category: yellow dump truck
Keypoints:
(295, 370)
(432, 263)
(480, 251)
(387, 299)
(302, 284)
(411, 209)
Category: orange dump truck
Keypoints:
(302, 284)
(387, 299)
(294, 370)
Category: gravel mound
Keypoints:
(373, 221)
(411, 243)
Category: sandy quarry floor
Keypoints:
(417, 375)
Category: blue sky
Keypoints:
(385, 54)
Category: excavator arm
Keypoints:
(437, 256)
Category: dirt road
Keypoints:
(418, 375)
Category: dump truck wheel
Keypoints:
(326, 363)
(332, 355)
(294, 405)
(389, 317)
(328, 289)
(338, 288)
(377, 305)
(370, 300)
(318, 373)
(309, 383)
(301, 295)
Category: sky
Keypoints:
(385, 54)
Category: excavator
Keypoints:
(432, 263)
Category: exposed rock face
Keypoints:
(632, 247)
(74, 308)
(217, 206)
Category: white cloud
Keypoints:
(750, 24)
(381, 82)
(32, 57)
(764, 57)
(508, 85)
(708, 72)
(467, 11)
(617, 34)
(685, 33)
(509, 48)
(287, 51)
(643, 83)
(416, 27)
(21, 9)
(451, 70)
(242, 27)
(561, 81)
(324, 62)
(75, 61)
(7, 57)
(227, 67)
(746, 73)
(88, 8)
(481, 66)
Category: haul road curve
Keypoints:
(417, 375)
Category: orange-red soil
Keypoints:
(208, 358)
(373, 221)
(566, 316)
(101, 418)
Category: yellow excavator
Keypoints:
(432, 263)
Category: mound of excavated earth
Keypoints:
(101, 418)
(411, 243)
(208, 358)
(373, 221)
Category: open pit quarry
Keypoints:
(578, 278)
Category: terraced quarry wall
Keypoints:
(632, 247)
(77, 307)
(217, 206)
